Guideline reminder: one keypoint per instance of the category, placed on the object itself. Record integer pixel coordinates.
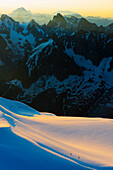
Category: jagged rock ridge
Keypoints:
(64, 67)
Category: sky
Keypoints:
(103, 8)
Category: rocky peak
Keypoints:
(59, 19)
(33, 22)
(6, 19)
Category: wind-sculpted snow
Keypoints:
(33, 140)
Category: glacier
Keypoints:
(33, 140)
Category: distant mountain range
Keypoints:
(100, 21)
(23, 15)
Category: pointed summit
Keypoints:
(20, 11)
(59, 18)
(58, 21)
(33, 22)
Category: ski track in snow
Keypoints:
(33, 140)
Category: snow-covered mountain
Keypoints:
(19, 36)
(64, 67)
(16, 41)
(33, 140)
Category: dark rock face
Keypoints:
(65, 67)
(58, 20)
(57, 63)
(72, 24)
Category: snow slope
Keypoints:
(31, 140)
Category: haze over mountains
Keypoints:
(23, 15)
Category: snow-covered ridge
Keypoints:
(52, 142)
(35, 56)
